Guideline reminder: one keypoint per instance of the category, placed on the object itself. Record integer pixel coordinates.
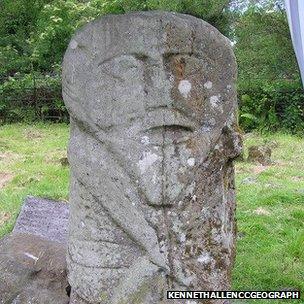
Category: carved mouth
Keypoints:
(168, 126)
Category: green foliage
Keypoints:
(263, 47)
(54, 27)
(273, 107)
(17, 22)
(269, 86)
(35, 33)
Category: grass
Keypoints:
(270, 215)
(270, 212)
(30, 158)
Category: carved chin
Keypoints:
(163, 176)
(164, 192)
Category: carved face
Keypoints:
(159, 106)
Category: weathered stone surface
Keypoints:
(33, 257)
(260, 154)
(152, 101)
(32, 270)
(45, 218)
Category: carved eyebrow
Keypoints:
(137, 56)
(170, 54)
(107, 60)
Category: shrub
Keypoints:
(31, 97)
(279, 106)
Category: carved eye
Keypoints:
(120, 67)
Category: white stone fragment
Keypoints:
(184, 87)
(31, 256)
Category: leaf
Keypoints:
(250, 117)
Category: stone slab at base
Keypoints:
(33, 256)
(45, 218)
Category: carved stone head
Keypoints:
(152, 101)
(159, 90)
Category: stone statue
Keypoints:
(152, 101)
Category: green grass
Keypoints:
(270, 212)
(30, 156)
(270, 215)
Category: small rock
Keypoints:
(64, 161)
(249, 180)
(259, 154)
(249, 135)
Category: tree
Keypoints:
(36, 32)
(263, 45)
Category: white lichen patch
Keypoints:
(147, 161)
(191, 162)
(215, 103)
(184, 87)
(208, 85)
(145, 140)
(154, 178)
(190, 189)
(214, 100)
(73, 44)
(204, 258)
(182, 238)
(217, 237)
(212, 122)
